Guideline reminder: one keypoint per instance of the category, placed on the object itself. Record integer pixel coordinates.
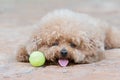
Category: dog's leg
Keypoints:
(22, 54)
(113, 38)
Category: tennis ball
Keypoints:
(37, 58)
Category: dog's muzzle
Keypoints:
(63, 61)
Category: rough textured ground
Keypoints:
(16, 20)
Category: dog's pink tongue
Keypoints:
(63, 62)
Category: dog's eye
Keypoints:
(55, 44)
(72, 45)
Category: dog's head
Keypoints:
(65, 46)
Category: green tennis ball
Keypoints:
(37, 59)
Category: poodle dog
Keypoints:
(65, 36)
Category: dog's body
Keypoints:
(65, 35)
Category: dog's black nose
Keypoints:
(63, 52)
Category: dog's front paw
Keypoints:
(22, 55)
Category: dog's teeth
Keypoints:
(63, 62)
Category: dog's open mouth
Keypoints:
(63, 62)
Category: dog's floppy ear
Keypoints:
(34, 43)
(24, 50)
(84, 38)
(87, 42)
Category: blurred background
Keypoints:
(28, 12)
